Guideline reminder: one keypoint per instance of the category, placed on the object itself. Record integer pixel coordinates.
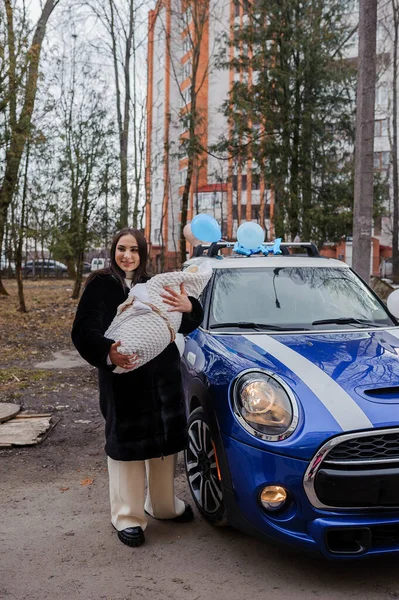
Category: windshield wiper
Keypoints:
(346, 321)
(250, 325)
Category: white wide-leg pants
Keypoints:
(127, 491)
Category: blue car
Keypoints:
(292, 389)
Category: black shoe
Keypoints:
(132, 536)
(185, 517)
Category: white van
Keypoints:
(98, 263)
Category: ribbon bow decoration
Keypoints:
(240, 249)
(275, 248)
(269, 249)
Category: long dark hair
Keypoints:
(113, 269)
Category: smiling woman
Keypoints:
(143, 409)
(127, 255)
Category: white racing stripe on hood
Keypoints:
(341, 406)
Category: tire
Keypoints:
(202, 470)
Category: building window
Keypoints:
(185, 122)
(381, 128)
(186, 70)
(185, 97)
(187, 16)
(243, 183)
(381, 95)
(382, 160)
(255, 212)
(186, 45)
(255, 181)
(183, 176)
(381, 31)
(244, 4)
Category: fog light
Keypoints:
(273, 497)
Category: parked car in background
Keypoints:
(98, 263)
(7, 265)
(86, 267)
(291, 385)
(44, 268)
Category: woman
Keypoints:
(145, 420)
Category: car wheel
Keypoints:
(202, 470)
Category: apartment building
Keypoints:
(219, 187)
(171, 39)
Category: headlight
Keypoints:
(265, 406)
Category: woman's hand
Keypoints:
(178, 302)
(126, 361)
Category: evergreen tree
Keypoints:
(291, 110)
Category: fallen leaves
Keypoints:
(87, 481)
(49, 317)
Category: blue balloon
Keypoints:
(205, 228)
(250, 235)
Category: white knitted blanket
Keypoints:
(143, 324)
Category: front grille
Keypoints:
(373, 447)
(356, 471)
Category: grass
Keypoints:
(20, 378)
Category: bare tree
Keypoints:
(121, 22)
(363, 200)
(85, 134)
(194, 24)
(21, 91)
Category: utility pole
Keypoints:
(364, 175)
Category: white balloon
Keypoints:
(188, 234)
(393, 303)
(180, 343)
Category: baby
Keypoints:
(143, 324)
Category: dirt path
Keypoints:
(57, 543)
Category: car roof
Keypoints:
(271, 261)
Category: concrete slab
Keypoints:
(8, 411)
(64, 359)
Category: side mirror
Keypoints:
(393, 303)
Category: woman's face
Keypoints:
(127, 253)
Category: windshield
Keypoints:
(293, 298)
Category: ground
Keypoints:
(56, 539)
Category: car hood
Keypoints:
(343, 381)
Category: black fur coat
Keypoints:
(144, 410)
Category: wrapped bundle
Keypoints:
(143, 324)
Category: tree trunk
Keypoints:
(3, 221)
(18, 254)
(123, 120)
(363, 201)
(394, 148)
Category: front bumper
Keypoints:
(335, 534)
